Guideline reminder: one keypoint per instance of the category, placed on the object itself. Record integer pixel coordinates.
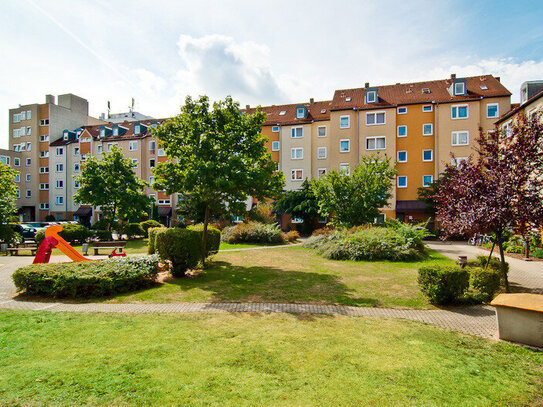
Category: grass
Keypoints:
(295, 275)
(260, 359)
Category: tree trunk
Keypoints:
(527, 247)
(490, 255)
(502, 260)
(204, 236)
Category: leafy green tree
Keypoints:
(111, 184)
(217, 155)
(299, 203)
(355, 199)
(8, 193)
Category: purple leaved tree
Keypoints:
(500, 190)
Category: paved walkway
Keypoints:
(476, 320)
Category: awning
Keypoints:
(84, 211)
(164, 211)
(410, 206)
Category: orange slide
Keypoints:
(63, 245)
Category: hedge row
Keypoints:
(87, 278)
(253, 232)
(71, 232)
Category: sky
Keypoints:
(259, 52)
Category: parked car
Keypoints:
(26, 231)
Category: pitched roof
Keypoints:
(517, 107)
(316, 111)
(419, 92)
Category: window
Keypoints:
(427, 129)
(348, 99)
(44, 154)
(380, 219)
(458, 160)
(44, 137)
(17, 178)
(59, 200)
(371, 96)
(164, 201)
(151, 180)
(44, 206)
(110, 146)
(344, 122)
(275, 146)
(321, 131)
(115, 131)
(60, 167)
(28, 130)
(60, 151)
(84, 157)
(4, 159)
(85, 140)
(507, 128)
(28, 146)
(427, 155)
(402, 110)
(459, 88)
(297, 132)
(76, 167)
(76, 150)
(152, 145)
(375, 143)
(373, 119)
(282, 112)
(18, 193)
(427, 108)
(296, 175)
(133, 145)
(60, 183)
(402, 156)
(152, 163)
(28, 177)
(344, 169)
(76, 183)
(483, 87)
(402, 131)
(28, 162)
(44, 122)
(102, 133)
(100, 149)
(16, 162)
(321, 153)
(460, 138)
(402, 181)
(28, 193)
(300, 113)
(427, 180)
(296, 220)
(459, 112)
(344, 146)
(134, 160)
(44, 170)
(44, 187)
(275, 129)
(297, 153)
(160, 152)
(492, 110)
(321, 172)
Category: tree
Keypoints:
(217, 155)
(498, 191)
(355, 199)
(8, 193)
(299, 203)
(111, 184)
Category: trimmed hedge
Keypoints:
(131, 230)
(152, 238)
(213, 237)
(183, 247)
(443, 284)
(486, 282)
(146, 224)
(71, 232)
(87, 278)
(103, 235)
(253, 232)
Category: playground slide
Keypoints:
(63, 245)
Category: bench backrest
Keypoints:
(109, 244)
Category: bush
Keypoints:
(262, 213)
(103, 223)
(443, 284)
(292, 236)
(315, 241)
(486, 282)
(327, 230)
(8, 235)
(103, 235)
(495, 263)
(71, 232)
(152, 238)
(87, 278)
(213, 237)
(253, 232)
(131, 230)
(146, 224)
(515, 249)
(538, 252)
(49, 218)
(183, 247)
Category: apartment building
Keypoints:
(531, 102)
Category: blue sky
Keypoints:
(259, 52)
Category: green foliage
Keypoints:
(71, 232)
(253, 232)
(8, 193)
(102, 235)
(355, 199)
(87, 278)
(105, 224)
(538, 252)
(131, 230)
(183, 247)
(299, 203)
(263, 213)
(443, 284)
(495, 263)
(514, 249)
(112, 184)
(486, 282)
(413, 234)
(292, 236)
(152, 232)
(146, 224)
(213, 237)
(8, 235)
(49, 218)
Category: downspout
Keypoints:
(357, 137)
(66, 181)
(436, 142)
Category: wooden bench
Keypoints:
(520, 318)
(97, 246)
(15, 250)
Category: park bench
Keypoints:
(97, 246)
(520, 318)
(14, 251)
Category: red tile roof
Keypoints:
(517, 107)
(316, 111)
(410, 93)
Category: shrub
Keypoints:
(315, 241)
(49, 218)
(327, 230)
(292, 236)
(146, 224)
(495, 263)
(103, 224)
(253, 232)
(262, 213)
(71, 232)
(152, 238)
(213, 237)
(538, 252)
(515, 249)
(8, 235)
(487, 282)
(131, 230)
(103, 235)
(443, 284)
(87, 278)
(183, 247)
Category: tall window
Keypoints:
(133, 145)
(344, 122)
(344, 146)
(345, 169)
(321, 153)
(322, 131)
(402, 181)
(371, 96)
(427, 180)
(300, 113)
(275, 145)
(427, 129)
(402, 131)
(492, 110)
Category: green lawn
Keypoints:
(261, 359)
(294, 275)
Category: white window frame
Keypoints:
(28, 162)
(16, 161)
(431, 158)
(28, 193)
(402, 107)
(457, 160)
(293, 131)
(276, 145)
(348, 145)
(497, 110)
(44, 206)
(431, 180)
(152, 145)
(44, 154)
(275, 129)
(296, 220)
(398, 156)
(507, 128)
(17, 177)
(321, 172)
(44, 122)
(427, 108)
(375, 139)
(343, 166)
(132, 143)
(294, 153)
(160, 152)
(318, 131)
(61, 168)
(375, 118)
(398, 181)
(60, 151)
(319, 150)
(76, 150)
(59, 184)
(457, 107)
(44, 137)
(44, 186)
(28, 177)
(100, 149)
(154, 163)
(110, 146)
(431, 129)
(373, 99)
(298, 111)
(59, 199)
(77, 167)
(293, 173)
(345, 116)
(398, 130)
(44, 170)
(135, 161)
(457, 133)
(463, 88)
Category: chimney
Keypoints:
(247, 107)
(367, 85)
(453, 76)
(311, 100)
(50, 99)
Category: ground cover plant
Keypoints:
(88, 278)
(253, 232)
(246, 360)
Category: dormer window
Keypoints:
(282, 112)
(347, 99)
(115, 131)
(102, 133)
(300, 112)
(426, 90)
(137, 129)
(371, 96)
(323, 111)
(459, 88)
(484, 87)
(65, 137)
